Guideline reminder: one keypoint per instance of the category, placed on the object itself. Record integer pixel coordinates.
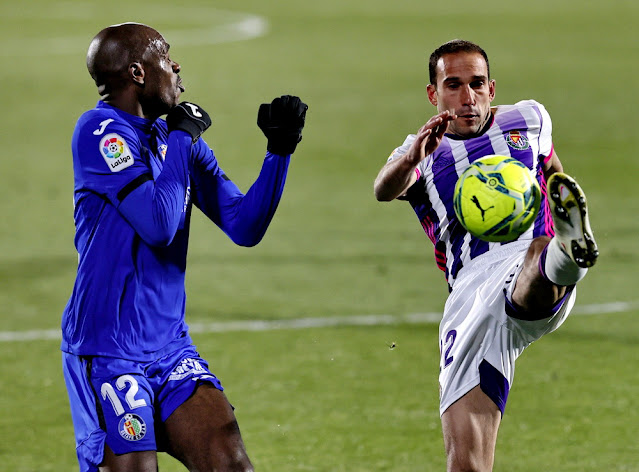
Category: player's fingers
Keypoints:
(440, 129)
(423, 134)
(442, 117)
(425, 139)
(434, 121)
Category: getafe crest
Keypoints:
(162, 150)
(517, 141)
(132, 427)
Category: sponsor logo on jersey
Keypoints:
(517, 141)
(187, 198)
(102, 127)
(132, 427)
(187, 368)
(162, 150)
(115, 152)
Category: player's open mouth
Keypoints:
(180, 86)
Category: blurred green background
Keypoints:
(331, 398)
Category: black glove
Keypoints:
(282, 121)
(188, 117)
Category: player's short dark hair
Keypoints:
(452, 47)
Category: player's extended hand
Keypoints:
(188, 117)
(429, 137)
(282, 121)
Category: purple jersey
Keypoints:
(522, 131)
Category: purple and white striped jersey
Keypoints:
(522, 131)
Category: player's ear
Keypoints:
(136, 72)
(491, 89)
(431, 90)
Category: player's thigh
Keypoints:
(204, 435)
(142, 461)
(470, 427)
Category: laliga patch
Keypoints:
(115, 152)
(517, 141)
(132, 427)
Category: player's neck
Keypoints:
(127, 101)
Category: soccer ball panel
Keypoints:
(497, 198)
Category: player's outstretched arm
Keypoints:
(246, 217)
(398, 175)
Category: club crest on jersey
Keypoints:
(132, 427)
(517, 141)
(162, 150)
(115, 152)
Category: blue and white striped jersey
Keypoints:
(522, 131)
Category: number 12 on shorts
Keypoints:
(445, 346)
(109, 392)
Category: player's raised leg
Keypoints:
(204, 435)
(552, 265)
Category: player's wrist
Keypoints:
(189, 118)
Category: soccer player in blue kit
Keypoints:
(136, 384)
(504, 296)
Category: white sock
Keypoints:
(558, 267)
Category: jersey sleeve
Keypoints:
(110, 161)
(243, 217)
(403, 149)
(156, 208)
(107, 157)
(545, 133)
(545, 128)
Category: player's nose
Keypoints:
(176, 67)
(468, 95)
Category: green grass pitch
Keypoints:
(333, 398)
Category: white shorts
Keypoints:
(479, 333)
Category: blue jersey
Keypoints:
(522, 131)
(135, 185)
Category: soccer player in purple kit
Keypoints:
(503, 296)
(135, 381)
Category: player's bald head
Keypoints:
(116, 47)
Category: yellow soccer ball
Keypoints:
(497, 198)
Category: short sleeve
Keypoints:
(545, 133)
(403, 149)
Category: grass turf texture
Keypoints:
(332, 399)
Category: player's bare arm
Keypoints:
(552, 165)
(398, 175)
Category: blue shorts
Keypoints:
(118, 401)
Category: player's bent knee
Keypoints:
(230, 457)
(238, 462)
